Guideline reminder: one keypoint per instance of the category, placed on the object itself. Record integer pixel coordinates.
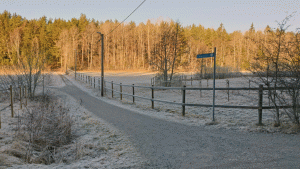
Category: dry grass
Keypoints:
(119, 71)
(42, 129)
(289, 128)
(47, 133)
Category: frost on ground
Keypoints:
(229, 118)
(94, 143)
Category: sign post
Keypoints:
(102, 65)
(207, 55)
(75, 63)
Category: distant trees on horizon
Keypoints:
(130, 46)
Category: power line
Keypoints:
(126, 18)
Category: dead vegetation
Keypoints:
(277, 66)
(55, 131)
(45, 133)
(41, 130)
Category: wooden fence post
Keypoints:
(23, 91)
(200, 84)
(99, 84)
(120, 91)
(133, 93)
(104, 88)
(25, 94)
(260, 101)
(112, 89)
(249, 86)
(11, 101)
(183, 100)
(228, 88)
(43, 86)
(269, 97)
(207, 82)
(152, 91)
(20, 97)
(269, 94)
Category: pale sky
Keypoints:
(234, 14)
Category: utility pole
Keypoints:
(75, 63)
(102, 66)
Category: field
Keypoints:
(97, 143)
(231, 118)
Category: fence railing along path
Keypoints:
(21, 89)
(92, 82)
(22, 95)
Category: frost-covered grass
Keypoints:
(91, 143)
(233, 118)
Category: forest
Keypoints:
(152, 45)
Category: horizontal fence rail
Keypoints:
(259, 107)
(21, 90)
(5, 108)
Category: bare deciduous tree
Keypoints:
(277, 65)
(164, 54)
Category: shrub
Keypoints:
(45, 127)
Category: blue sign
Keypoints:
(207, 55)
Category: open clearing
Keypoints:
(131, 136)
(229, 118)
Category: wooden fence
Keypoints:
(92, 82)
(22, 95)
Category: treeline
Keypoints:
(130, 46)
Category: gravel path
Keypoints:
(173, 145)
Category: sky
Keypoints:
(235, 14)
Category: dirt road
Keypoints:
(173, 145)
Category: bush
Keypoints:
(45, 127)
(221, 73)
(175, 82)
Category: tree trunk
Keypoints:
(92, 52)
(149, 53)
